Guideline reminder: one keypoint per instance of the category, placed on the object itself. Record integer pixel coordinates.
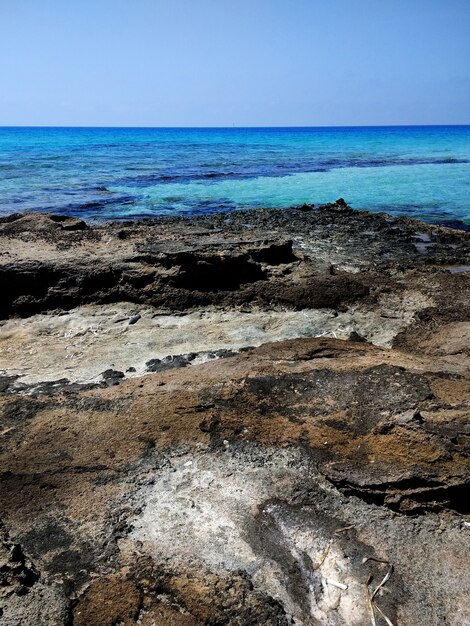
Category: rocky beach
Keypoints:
(258, 417)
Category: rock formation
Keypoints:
(250, 418)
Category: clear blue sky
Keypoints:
(234, 62)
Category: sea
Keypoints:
(126, 173)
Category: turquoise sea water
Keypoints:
(108, 173)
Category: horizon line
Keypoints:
(233, 127)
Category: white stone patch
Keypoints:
(81, 344)
(215, 512)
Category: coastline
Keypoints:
(192, 406)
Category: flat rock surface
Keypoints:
(249, 418)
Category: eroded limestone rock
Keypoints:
(285, 423)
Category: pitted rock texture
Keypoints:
(244, 419)
(231, 466)
(285, 258)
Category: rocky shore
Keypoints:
(248, 418)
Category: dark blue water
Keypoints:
(108, 173)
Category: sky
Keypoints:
(234, 62)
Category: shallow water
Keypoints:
(103, 173)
